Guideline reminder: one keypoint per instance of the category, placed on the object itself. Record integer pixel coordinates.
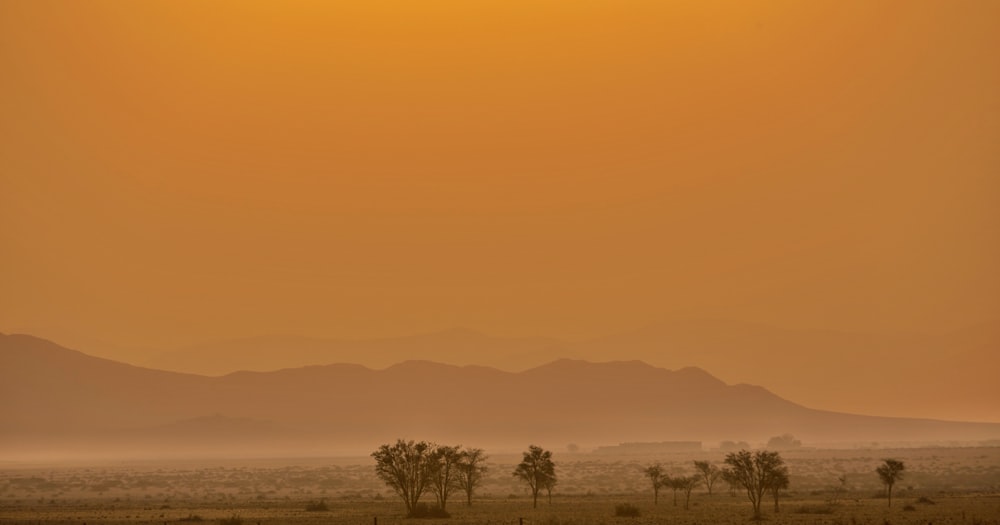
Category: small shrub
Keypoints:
(925, 500)
(192, 517)
(232, 520)
(317, 506)
(626, 510)
(909, 508)
(422, 510)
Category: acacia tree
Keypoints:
(730, 480)
(407, 467)
(708, 473)
(549, 483)
(687, 484)
(890, 471)
(470, 469)
(755, 472)
(778, 483)
(538, 471)
(658, 477)
(444, 472)
(675, 484)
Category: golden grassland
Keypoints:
(942, 485)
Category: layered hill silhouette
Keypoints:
(938, 375)
(57, 398)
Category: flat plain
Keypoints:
(959, 485)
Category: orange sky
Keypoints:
(174, 172)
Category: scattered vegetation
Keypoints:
(232, 520)
(944, 485)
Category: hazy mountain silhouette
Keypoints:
(938, 375)
(55, 395)
(943, 375)
(266, 353)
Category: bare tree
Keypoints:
(407, 467)
(444, 473)
(755, 472)
(890, 471)
(840, 490)
(709, 473)
(471, 469)
(658, 477)
(537, 470)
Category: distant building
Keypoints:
(660, 447)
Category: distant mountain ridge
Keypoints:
(54, 396)
(798, 364)
(266, 353)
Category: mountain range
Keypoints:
(60, 400)
(943, 376)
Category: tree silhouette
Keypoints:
(407, 467)
(730, 480)
(778, 483)
(538, 471)
(675, 484)
(890, 471)
(708, 473)
(471, 469)
(658, 477)
(755, 472)
(687, 484)
(444, 473)
(783, 442)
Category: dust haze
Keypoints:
(499, 262)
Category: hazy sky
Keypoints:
(173, 172)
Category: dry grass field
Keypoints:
(942, 485)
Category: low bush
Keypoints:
(626, 510)
(317, 506)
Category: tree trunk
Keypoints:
(534, 494)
